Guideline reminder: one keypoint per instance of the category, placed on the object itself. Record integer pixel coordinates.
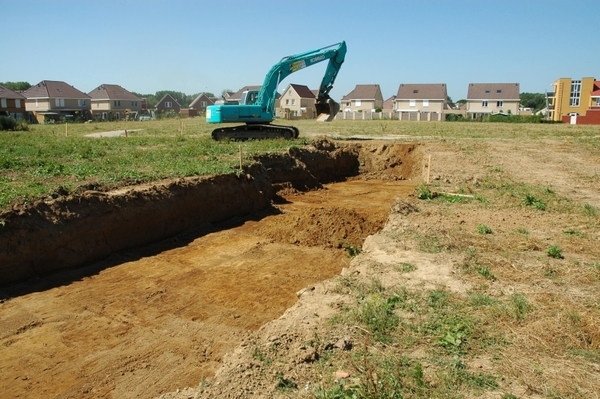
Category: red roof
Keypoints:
(596, 90)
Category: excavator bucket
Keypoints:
(326, 110)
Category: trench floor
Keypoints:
(152, 320)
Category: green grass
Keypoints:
(41, 161)
(484, 229)
(396, 321)
(52, 158)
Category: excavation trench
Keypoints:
(187, 268)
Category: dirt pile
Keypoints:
(331, 227)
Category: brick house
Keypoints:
(200, 103)
(113, 103)
(11, 103)
(168, 104)
(53, 101)
(364, 98)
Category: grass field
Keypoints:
(61, 158)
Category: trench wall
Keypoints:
(74, 230)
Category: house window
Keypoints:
(575, 93)
(426, 103)
(484, 104)
(3, 103)
(598, 102)
(412, 103)
(293, 101)
(134, 103)
(487, 92)
(203, 104)
(82, 103)
(117, 103)
(415, 91)
(358, 103)
(287, 101)
(499, 104)
(168, 104)
(18, 103)
(59, 102)
(498, 91)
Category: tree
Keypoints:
(535, 101)
(16, 86)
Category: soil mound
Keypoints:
(330, 227)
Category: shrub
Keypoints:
(8, 123)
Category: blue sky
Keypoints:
(194, 46)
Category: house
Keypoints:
(113, 103)
(11, 103)
(422, 101)
(53, 101)
(168, 104)
(364, 98)
(572, 100)
(388, 105)
(297, 101)
(492, 98)
(200, 103)
(235, 98)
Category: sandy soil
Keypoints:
(184, 318)
(147, 321)
(569, 172)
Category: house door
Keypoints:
(573, 119)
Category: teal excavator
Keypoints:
(257, 107)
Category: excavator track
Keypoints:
(256, 131)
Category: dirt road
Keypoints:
(148, 321)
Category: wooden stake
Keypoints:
(66, 129)
(240, 157)
(428, 168)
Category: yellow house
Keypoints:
(570, 97)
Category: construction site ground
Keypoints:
(182, 318)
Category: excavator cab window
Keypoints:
(249, 97)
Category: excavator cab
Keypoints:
(249, 97)
(327, 109)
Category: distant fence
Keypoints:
(391, 115)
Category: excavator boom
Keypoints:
(257, 109)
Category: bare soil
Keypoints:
(149, 319)
(184, 318)
(553, 353)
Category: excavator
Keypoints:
(257, 107)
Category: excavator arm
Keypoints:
(335, 53)
(257, 109)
